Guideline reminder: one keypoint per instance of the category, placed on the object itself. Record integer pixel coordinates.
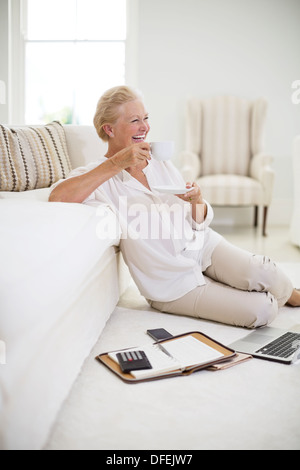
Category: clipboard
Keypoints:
(226, 352)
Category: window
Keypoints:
(74, 51)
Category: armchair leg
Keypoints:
(265, 221)
(255, 216)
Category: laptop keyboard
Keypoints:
(284, 346)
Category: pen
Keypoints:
(164, 350)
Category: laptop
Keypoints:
(270, 343)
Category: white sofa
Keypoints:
(295, 226)
(59, 283)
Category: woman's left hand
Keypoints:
(194, 196)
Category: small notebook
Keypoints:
(180, 355)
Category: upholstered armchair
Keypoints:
(295, 226)
(224, 152)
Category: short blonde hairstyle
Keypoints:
(107, 111)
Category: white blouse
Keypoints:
(165, 249)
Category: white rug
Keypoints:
(254, 405)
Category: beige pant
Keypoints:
(241, 289)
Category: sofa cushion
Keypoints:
(231, 190)
(34, 195)
(32, 157)
(84, 145)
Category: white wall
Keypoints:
(205, 47)
(4, 40)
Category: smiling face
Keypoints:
(131, 127)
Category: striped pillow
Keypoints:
(32, 157)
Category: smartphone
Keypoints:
(159, 333)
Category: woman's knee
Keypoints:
(261, 311)
(264, 275)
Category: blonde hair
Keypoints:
(107, 111)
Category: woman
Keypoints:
(178, 263)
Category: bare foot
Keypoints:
(294, 300)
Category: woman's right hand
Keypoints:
(132, 156)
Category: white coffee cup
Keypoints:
(162, 150)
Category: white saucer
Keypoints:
(171, 189)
